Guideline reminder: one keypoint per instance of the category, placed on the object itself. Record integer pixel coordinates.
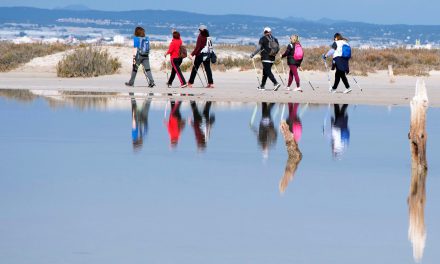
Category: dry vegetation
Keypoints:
(87, 62)
(14, 55)
(364, 61)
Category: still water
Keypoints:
(140, 181)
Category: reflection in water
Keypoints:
(293, 152)
(266, 133)
(202, 124)
(139, 117)
(419, 171)
(340, 131)
(175, 123)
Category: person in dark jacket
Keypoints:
(339, 62)
(139, 59)
(293, 63)
(201, 55)
(268, 47)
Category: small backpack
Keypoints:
(346, 51)
(299, 52)
(273, 46)
(183, 53)
(144, 46)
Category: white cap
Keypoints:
(267, 29)
(202, 27)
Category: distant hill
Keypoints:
(226, 26)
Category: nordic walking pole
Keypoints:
(328, 76)
(308, 80)
(256, 72)
(354, 79)
(194, 68)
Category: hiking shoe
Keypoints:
(129, 84)
(151, 85)
(184, 85)
(298, 89)
(261, 88)
(277, 86)
(347, 90)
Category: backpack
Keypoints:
(208, 47)
(346, 51)
(299, 52)
(274, 47)
(183, 53)
(144, 46)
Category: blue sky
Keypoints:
(374, 11)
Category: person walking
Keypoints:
(268, 47)
(141, 44)
(201, 54)
(176, 60)
(295, 55)
(341, 52)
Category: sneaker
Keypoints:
(129, 84)
(169, 85)
(333, 90)
(298, 89)
(288, 88)
(261, 88)
(347, 90)
(189, 85)
(277, 86)
(184, 85)
(151, 85)
(211, 85)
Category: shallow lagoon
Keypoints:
(75, 189)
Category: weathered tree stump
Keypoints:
(419, 171)
(294, 157)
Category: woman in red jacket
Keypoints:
(176, 60)
(201, 53)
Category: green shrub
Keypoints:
(87, 62)
(14, 55)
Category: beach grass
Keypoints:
(13, 55)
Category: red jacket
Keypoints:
(174, 48)
(201, 43)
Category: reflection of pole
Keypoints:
(294, 157)
(419, 171)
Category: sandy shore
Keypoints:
(232, 86)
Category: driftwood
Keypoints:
(419, 171)
(294, 157)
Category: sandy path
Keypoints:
(237, 86)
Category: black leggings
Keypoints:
(338, 76)
(206, 64)
(175, 68)
(267, 72)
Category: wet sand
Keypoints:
(235, 86)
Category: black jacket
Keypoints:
(289, 54)
(263, 46)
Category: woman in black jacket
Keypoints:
(294, 63)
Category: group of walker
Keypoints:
(268, 48)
